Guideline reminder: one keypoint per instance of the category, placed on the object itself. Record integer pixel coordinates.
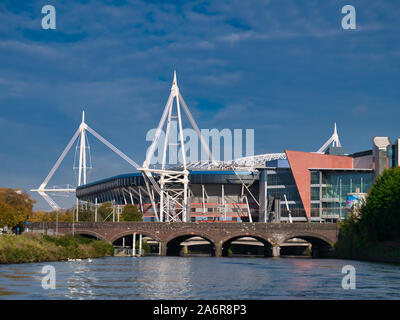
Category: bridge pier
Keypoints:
(162, 248)
(276, 251)
(218, 250)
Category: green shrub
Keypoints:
(380, 217)
(35, 248)
(131, 213)
(379, 221)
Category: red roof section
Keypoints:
(300, 162)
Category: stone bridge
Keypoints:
(170, 235)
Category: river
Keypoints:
(211, 278)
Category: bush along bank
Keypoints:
(352, 245)
(373, 232)
(40, 248)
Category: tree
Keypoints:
(21, 203)
(380, 216)
(104, 211)
(64, 215)
(40, 216)
(86, 213)
(379, 219)
(131, 213)
(7, 217)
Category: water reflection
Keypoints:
(81, 281)
(200, 278)
(169, 277)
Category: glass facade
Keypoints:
(280, 177)
(329, 197)
(315, 193)
(290, 191)
(393, 155)
(315, 176)
(280, 182)
(315, 210)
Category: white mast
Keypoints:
(82, 152)
(173, 183)
(82, 169)
(334, 140)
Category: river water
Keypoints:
(201, 278)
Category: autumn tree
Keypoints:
(40, 216)
(20, 202)
(7, 217)
(64, 215)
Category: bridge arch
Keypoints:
(266, 250)
(174, 247)
(125, 233)
(321, 246)
(123, 242)
(90, 234)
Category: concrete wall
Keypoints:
(379, 151)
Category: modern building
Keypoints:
(295, 186)
(393, 154)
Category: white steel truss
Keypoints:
(244, 162)
(334, 140)
(82, 168)
(173, 184)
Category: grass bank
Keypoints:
(40, 248)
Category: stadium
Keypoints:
(292, 186)
(313, 187)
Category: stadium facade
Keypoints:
(292, 186)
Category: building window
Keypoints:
(281, 177)
(315, 193)
(314, 209)
(338, 186)
(314, 177)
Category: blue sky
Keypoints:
(285, 68)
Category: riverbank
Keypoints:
(372, 231)
(388, 252)
(40, 248)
